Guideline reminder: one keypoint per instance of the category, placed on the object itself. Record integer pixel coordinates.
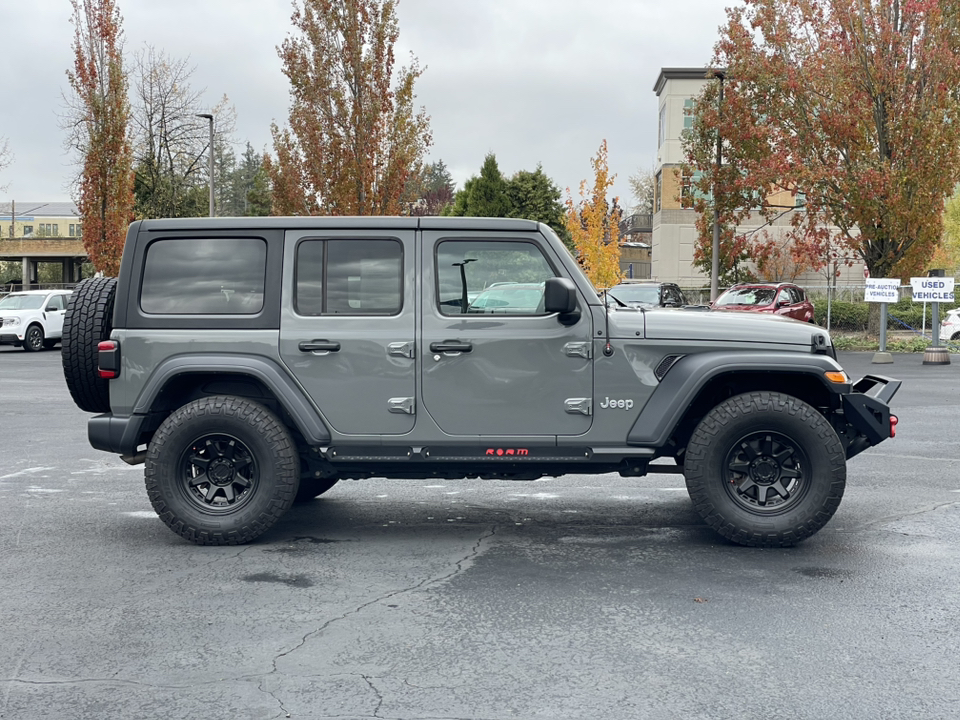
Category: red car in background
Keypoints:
(776, 298)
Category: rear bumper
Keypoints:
(867, 411)
(119, 435)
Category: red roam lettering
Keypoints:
(507, 451)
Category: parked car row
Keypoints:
(33, 319)
(776, 298)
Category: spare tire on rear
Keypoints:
(88, 320)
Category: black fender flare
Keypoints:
(288, 392)
(692, 373)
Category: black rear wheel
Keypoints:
(222, 470)
(765, 469)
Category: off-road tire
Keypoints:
(751, 447)
(311, 487)
(33, 339)
(221, 470)
(87, 321)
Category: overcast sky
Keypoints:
(533, 81)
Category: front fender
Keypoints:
(692, 373)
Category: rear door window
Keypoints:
(349, 277)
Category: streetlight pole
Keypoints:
(715, 248)
(209, 117)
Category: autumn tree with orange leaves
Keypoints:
(593, 223)
(354, 137)
(98, 120)
(847, 109)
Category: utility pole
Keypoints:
(209, 117)
(715, 248)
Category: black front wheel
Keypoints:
(222, 470)
(765, 469)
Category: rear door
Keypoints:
(494, 363)
(347, 326)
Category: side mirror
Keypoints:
(559, 296)
(51, 308)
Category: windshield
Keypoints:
(22, 302)
(748, 296)
(644, 294)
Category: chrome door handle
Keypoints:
(319, 346)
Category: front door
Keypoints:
(54, 312)
(493, 362)
(347, 326)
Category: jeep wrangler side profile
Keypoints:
(249, 362)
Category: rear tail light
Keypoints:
(108, 359)
(893, 425)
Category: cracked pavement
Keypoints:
(579, 597)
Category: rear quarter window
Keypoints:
(204, 276)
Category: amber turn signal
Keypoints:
(836, 377)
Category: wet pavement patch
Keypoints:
(823, 572)
(299, 581)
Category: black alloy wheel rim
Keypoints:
(218, 474)
(766, 473)
(34, 339)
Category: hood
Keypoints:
(19, 313)
(702, 325)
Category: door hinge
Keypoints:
(578, 349)
(402, 405)
(583, 406)
(403, 349)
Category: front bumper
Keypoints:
(866, 411)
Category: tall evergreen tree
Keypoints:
(483, 196)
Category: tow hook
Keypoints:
(893, 425)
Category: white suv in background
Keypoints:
(950, 326)
(33, 319)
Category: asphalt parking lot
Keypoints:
(579, 597)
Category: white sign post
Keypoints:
(935, 289)
(883, 291)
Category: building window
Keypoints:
(27, 230)
(661, 136)
(686, 187)
(657, 192)
(55, 230)
(688, 114)
(72, 229)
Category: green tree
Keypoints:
(483, 196)
(354, 138)
(534, 196)
(431, 190)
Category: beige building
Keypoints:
(35, 234)
(674, 232)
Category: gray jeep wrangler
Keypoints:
(252, 362)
